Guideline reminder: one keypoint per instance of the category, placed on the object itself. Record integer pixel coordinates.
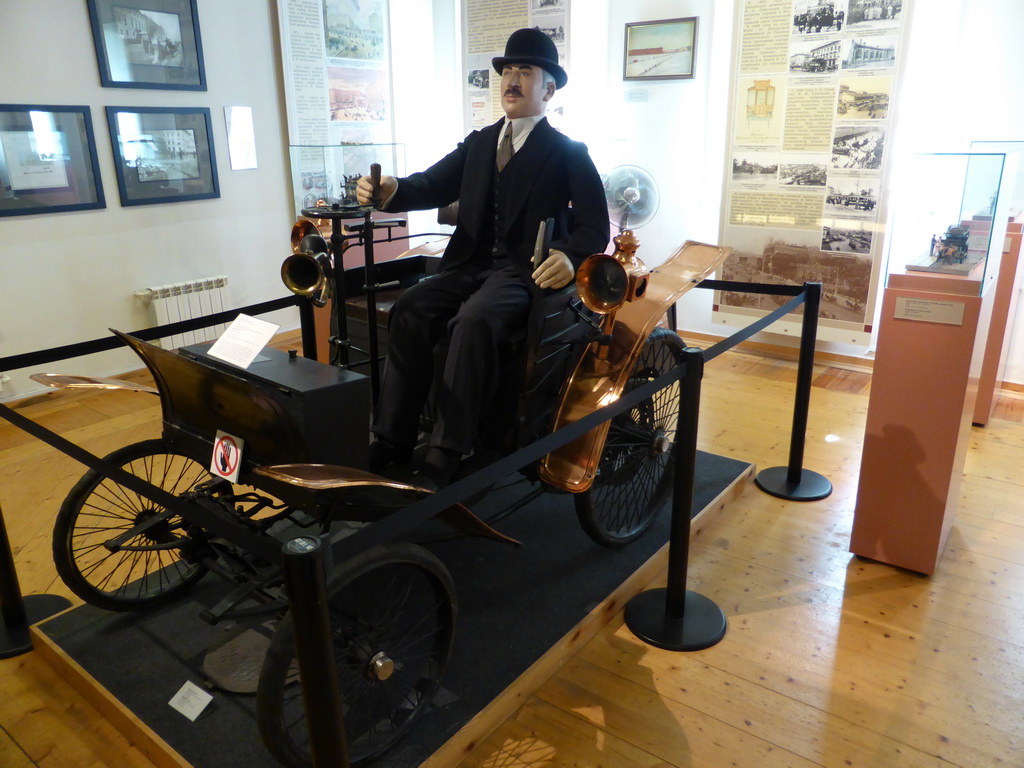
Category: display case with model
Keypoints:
(950, 215)
(946, 244)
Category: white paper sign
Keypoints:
(930, 311)
(190, 700)
(243, 340)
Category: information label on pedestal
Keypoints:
(930, 310)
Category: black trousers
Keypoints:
(476, 312)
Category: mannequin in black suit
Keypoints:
(482, 294)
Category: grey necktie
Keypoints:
(505, 149)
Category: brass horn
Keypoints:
(308, 270)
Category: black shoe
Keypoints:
(439, 466)
(384, 453)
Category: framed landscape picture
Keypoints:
(47, 160)
(660, 50)
(163, 154)
(148, 44)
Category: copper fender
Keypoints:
(602, 373)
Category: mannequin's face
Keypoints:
(523, 93)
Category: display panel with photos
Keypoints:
(47, 160)
(148, 44)
(163, 154)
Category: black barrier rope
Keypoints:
(54, 354)
(210, 517)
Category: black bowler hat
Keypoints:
(531, 46)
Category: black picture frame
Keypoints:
(660, 50)
(48, 160)
(148, 44)
(163, 154)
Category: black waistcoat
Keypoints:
(490, 246)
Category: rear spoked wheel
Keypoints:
(392, 613)
(115, 548)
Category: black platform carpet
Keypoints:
(515, 603)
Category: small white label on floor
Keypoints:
(930, 311)
(191, 700)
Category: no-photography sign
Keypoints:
(227, 456)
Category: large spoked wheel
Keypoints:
(392, 611)
(90, 550)
(634, 476)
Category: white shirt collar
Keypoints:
(521, 127)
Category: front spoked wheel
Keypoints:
(634, 475)
(392, 614)
(118, 550)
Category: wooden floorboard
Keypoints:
(829, 660)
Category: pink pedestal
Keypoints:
(923, 393)
(998, 341)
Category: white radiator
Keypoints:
(184, 301)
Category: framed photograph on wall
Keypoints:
(47, 160)
(163, 154)
(660, 50)
(148, 44)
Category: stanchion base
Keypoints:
(15, 641)
(703, 624)
(775, 481)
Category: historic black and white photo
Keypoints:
(149, 37)
(851, 195)
(815, 57)
(848, 237)
(878, 52)
(863, 98)
(792, 258)
(803, 170)
(874, 14)
(479, 79)
(813, 16)
(148, 44)
(858, 147)
(755, 166)
(161, 155)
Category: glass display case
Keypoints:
(950, 212)
(329, 173)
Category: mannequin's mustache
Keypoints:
(512, 89)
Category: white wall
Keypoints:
(67, 277)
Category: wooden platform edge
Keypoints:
(141, 736)
(485, 722)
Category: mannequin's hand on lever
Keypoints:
(364, 190)
(555, 272)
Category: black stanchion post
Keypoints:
(18, 612)
(675, 618)
(306, 582)
(793, 482)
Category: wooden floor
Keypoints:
(829, 660)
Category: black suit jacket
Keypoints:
(549, 171)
